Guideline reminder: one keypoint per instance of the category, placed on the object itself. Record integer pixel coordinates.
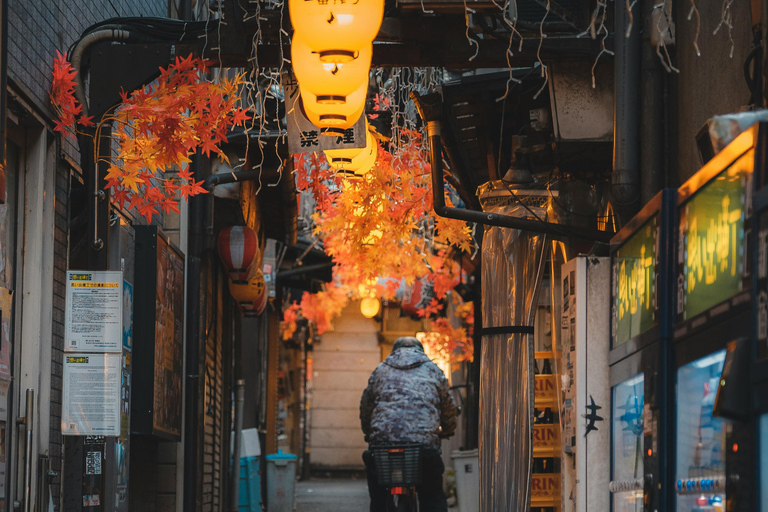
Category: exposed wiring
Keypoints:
(544, 69)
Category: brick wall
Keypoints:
(36, 29)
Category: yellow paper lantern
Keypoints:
(369, 307)
(336, 30)
(330, 83)
(358, 161)
(249, 292)
(334, 118)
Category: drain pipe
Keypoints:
(652, 110)
(625, 180)
(429, 111)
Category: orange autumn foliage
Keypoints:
(157, 129)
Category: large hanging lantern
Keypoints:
(329, 82)
(417, 296)
(358, 161)
(249, 292)
(334, 118)
(336, 31)
(239, 250)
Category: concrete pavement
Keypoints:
(332, 495)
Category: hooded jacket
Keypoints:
(407, 400)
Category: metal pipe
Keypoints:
(625, 180)
(29, 420)
(303, 270)
(192, 384)
(79, 50)
(652, 111)
(231, 177)
(429, 111)
(239, 401)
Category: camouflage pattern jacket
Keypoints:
(407, 400)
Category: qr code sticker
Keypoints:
(93, 463)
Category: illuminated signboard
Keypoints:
(634, 283)
(711, 245)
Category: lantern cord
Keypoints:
(698, 26)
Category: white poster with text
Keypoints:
(94, 313)
(91, 394)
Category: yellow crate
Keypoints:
(546, 440)
(545, 490)
(544, 390)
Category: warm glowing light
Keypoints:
(334, 116)
(735, 448)
(359, 161)
(369, 307)
(329, 82)
(336, 31)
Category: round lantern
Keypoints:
(330, 82)
(336, 31)
(369, 307)
(358, 161)
(250, 291)
(417, 296)
(334, 118)
(239, 250)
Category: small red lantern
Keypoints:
(239, 250)
(418, 296)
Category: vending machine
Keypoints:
(642, 276)
(714, 451)
(759, 353)
(584, 392)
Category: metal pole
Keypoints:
(29, 420)
(239, 401)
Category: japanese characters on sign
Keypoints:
(305, 137)
(634, 284)
(91, 394)
(94, 311)
(711, 244)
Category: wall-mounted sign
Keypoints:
(711, 252)
(157, 352)
(91, 394)
(94, 312)
(634, 283)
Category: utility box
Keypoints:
(249, 499)
(585, 395)
(467, 468)
(281, 481)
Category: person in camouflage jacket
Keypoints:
(408, 400)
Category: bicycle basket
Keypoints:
(398, 465)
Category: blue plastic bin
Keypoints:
(250, 485)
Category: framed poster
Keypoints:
(91, 394)
(158, 337)
(94, 313)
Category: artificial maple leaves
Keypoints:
(157, 129)
(447, 343)
(383, 225)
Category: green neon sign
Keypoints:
(634, 283)
(712, 240)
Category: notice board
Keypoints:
(158, 336)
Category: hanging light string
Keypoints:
(726, 18)
(631, 22)
(472, 42)
(544, 68)
(604, 30)
(513, 29)
(693, 10)
(665, 59)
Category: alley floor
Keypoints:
(332, 495)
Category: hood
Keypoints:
(406, 358)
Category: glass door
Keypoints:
(627, 445)
(700, 437)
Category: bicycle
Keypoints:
(398, 469)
